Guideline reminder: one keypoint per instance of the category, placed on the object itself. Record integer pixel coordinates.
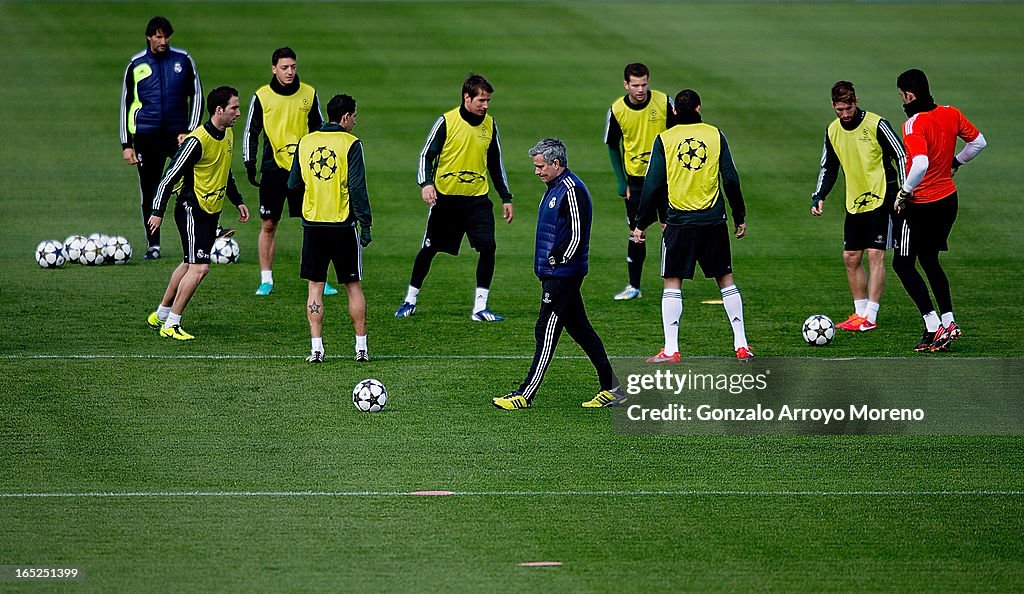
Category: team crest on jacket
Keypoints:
(551, 204)
(177, 68)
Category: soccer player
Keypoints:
(327, 171)
(203, 166)
(283, 111)
(873, 161)
(461, 151)
(560, 261)
(690, 167)
(161, 102)
(927, 203)
(634, 121)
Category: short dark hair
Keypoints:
(687, 101)
(282, 52)
(635, 69)
(914, 81)
(843, 92)
(159, 23)
(476, 84)
(339, 105)
(220, 97)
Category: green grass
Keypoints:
(93, 402)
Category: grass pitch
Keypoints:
(227, 463)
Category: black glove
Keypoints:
(954, 167)
(364, 235)
(901, 200)
(250, 172)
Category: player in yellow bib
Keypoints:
(633, 122)
(461, 152)
(203, 166)
(871, 156)
(282, 111)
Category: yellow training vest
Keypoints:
(639, 129)
(692, 153)
(210, 173)
(323, 162)
(285, 120)
(462, 164)
(861, 155)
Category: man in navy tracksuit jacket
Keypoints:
(560, 261)
(161, 102)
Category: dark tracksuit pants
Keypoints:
(562, 307)
(153, 152)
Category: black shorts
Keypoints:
(451, 217)
(198, 230)
(923, 228)
(323, 245)
(870, 230)
(682, 248)
(274, 193)
(636, 189)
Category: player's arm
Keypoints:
(187, 156)
(358, 198)
(670, 111)
(731, 188)
(893, 154)
(496, 167)
(236, 198)
(613, 138)
(565, 251)
(251, 138)
(316, 117)
(427, 165)
(296, 187)
(827, 176)
(127, 97)
(655, 191)
(975, 143)
(196, 96)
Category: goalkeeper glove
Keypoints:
(954, 167)
(250, 171)
(901, 200)
(364, 235)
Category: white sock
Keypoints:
(172, 320)
(162, 312)
(480, 303)
(947, 319)
(317, 345)
(267, 276)
(733, 305)
(931, 321)
(860, 307)
(671, 312)
(871, 313)
(410, 295)
(360, 343)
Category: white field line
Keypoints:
(424, 357)
(671, 493)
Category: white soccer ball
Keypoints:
(117, 250)
(92, 254)
(225, 251)
(819, 330)
(73, 247)
(370, 395)
(50, 253)
(99, 238)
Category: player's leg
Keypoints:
(579, 328)
(198, 229)
(273, 194)
(677, 262)
(150, 150)
(732, 302)
(478, 222)
(436, 237)
(347, 256)
(547, 331)
(313, 265)
(876, 286)
(941, 215)
(857, 279)
(904, 264)
(636, 253)
(715, 258)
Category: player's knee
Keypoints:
(269, 226)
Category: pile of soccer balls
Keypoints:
(95, 250)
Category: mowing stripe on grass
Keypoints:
(682, 492)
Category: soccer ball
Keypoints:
(225, 251)
(50, 253)
(370, 395)
(92, 254)
(73, 247)
(818, 330)
(117, 250)
(99, 238)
